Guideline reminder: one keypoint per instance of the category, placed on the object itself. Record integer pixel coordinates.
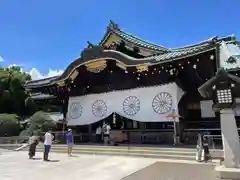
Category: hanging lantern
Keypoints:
(212, 57)
(114, 118)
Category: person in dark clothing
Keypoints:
(33, 142)
(206, 149)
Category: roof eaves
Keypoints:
(42, 82)
(39, 96)
(172, 56)
(207, 42)
(156, 59)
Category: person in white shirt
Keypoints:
(48, 138)
(99, 134)
(106, 132)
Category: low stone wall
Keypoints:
(10, 146)
(216, 153)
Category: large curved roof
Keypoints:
(97, 52)
(114, 29)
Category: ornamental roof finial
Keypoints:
(114, 25)
(233, 37)
(90, 45)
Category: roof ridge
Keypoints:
(204, 42)
(115, 27)
(140, 39)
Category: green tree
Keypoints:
(39, 122)
(9, 125)
(12, 92)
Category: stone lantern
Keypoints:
(222, 89)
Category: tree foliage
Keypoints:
(39, 122)
(14, 99)
(9, 125)
(12, 92)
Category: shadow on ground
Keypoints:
(174, 171)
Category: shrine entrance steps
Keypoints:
(135, 151)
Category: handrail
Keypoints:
(216, 129)
(211, 139)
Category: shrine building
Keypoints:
(139, 87)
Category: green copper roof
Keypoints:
(137, 41)
(39, 96)
(230, 55)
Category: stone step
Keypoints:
(151, 152)
(145, 148)
(172, 151)
(124, 153)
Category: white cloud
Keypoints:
(18, 65)
(1, 59)
(35, 73)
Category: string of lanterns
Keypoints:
(142, 70)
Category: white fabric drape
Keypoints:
(150, 104)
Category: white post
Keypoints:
(174, 132)
(230, 138)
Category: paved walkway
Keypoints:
(174, 171)
(16, 166)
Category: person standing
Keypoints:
(48, 138)
(106, 132)
(69, 137)
(33, 142)
(99, 134)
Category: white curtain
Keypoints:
(150, 104)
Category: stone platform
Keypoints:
(227, 173)
(17, 166)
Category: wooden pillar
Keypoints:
(90, 132)
(142, 126)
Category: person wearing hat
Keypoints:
(69, 141)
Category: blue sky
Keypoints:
(51, 34)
